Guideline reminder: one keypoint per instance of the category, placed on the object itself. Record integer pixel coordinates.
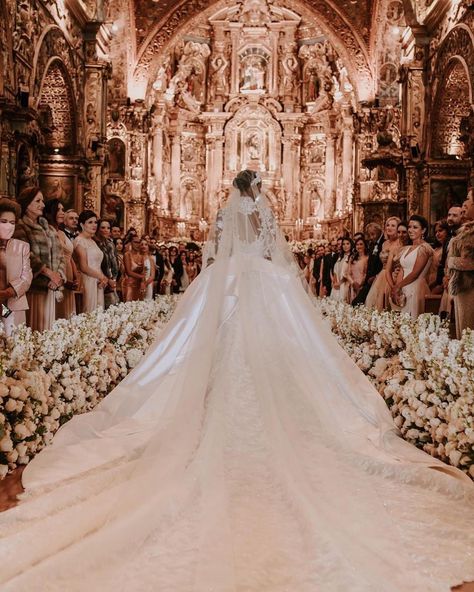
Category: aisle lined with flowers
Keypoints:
(426, 378)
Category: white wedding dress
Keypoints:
(246, 453)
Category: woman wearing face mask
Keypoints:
(15, 270)
(89, 259)
(46, 257)
(54, 214)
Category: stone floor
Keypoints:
(10, 487)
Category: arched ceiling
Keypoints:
(348, 23)
(149, 13)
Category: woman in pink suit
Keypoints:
(15, 270)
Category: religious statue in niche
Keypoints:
(255, 13)
(253, 73)
(290, 66)
(315, 202)
(189, 199)
(312, 84)
(219, 79)
(112, 207)
(254, 146)
(116, 158)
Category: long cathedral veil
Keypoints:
(245, 452)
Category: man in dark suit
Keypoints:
(330, 258)
(317, 269)
(160, 266)
(374, 264)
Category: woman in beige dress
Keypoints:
(135, 273)
(358, 268)
(89, 259)
(54, 214)
(378, 296)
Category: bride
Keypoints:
(246, 453)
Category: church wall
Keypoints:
(52, 105)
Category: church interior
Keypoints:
(144, 110)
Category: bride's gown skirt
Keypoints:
(247, 453)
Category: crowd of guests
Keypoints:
(398, 267)
(56, 263)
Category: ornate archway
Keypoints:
(58, 110)
(451, 106)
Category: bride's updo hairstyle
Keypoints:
(243, 181)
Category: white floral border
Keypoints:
(46, 378)
(426, 378)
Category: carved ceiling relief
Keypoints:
(332, 24)
(451, 107)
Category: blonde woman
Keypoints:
(379, 293)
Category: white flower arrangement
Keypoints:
(425, 377)
(46, 378)
(301, 247)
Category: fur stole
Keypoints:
(462, 245)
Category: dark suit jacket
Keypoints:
(317, 269)
(374, 264)
(160, 267)
(328, 266)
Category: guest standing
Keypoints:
(110, 264)
(442, 235)
(46, 257)
(340, 275)
(177, 266)
(192, 267)
(70, 225)
(358, 268)
(89, 259)
(411, 289)
(374, 264)
(379, 292)
(55, 215)
(318, 270)
(15, 270)
(133, 260)
(118, 242)
(150, 269)
(329, 260)
(460, 264)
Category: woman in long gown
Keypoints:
(378, 296)
(245, 453)
(415, 261)
(340, 273)
(89, 261)
(358, 268)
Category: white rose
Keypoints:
(21, 431)
(21, 449)
(10, 405)
(3, 471)
(455, 457)
(6, 445)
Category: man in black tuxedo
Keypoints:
(160, 265)
(330, 257)
(317, 269)
(374, 264)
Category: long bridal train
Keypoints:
(246, 453)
